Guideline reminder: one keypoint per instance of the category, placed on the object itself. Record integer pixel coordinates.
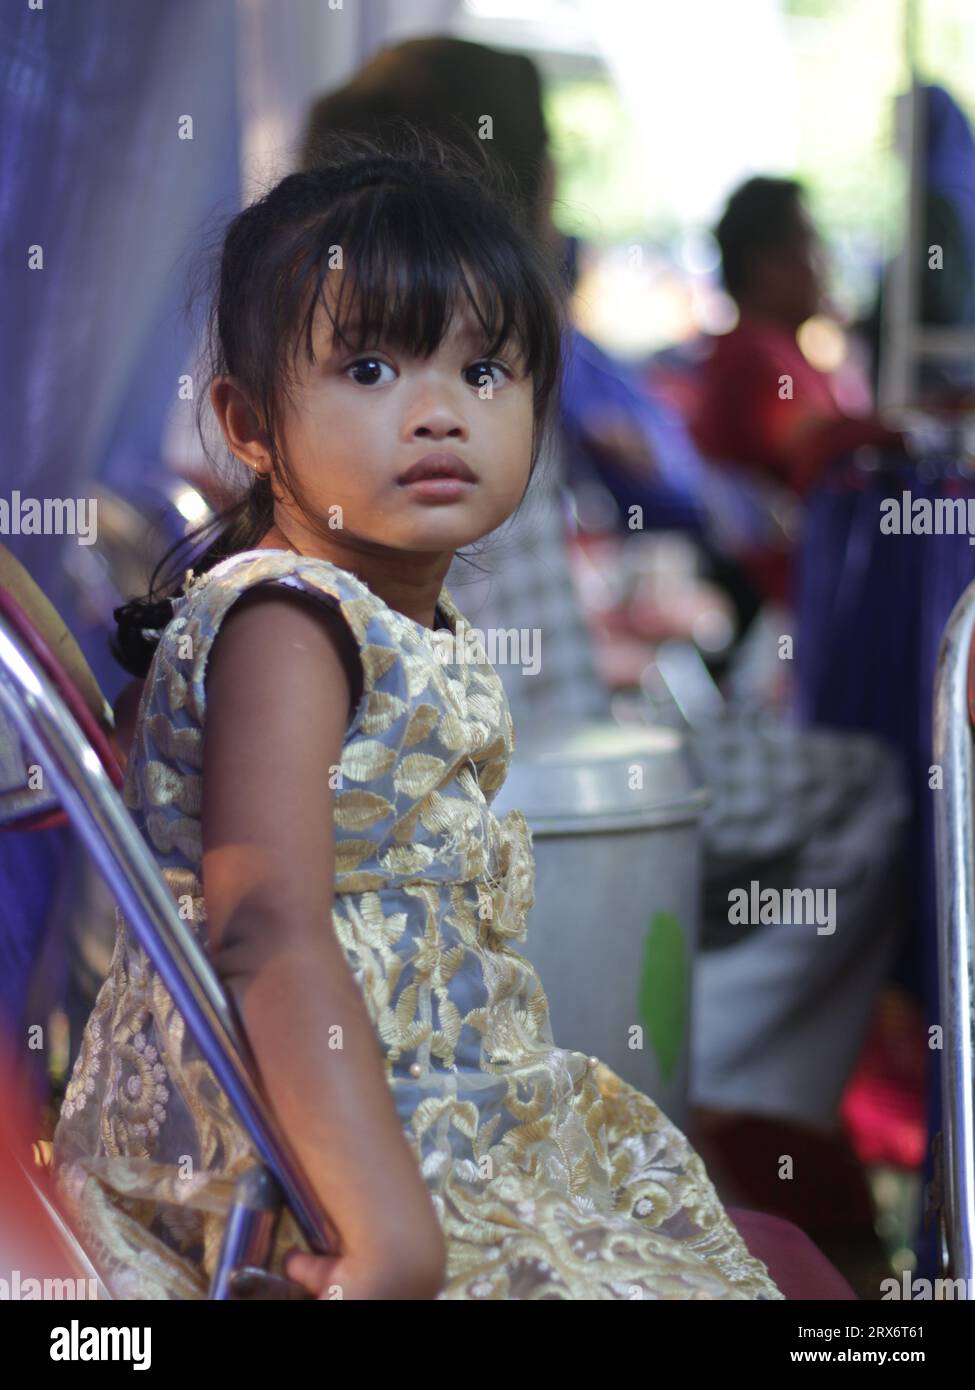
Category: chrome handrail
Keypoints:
(954, 752)
(32, 703)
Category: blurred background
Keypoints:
(751, 600)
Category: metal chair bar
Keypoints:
(954, 751)
(34, 706)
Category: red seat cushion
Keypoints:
(798, 1267)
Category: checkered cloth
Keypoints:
(779, 1012)
(790, 802)
(522, 579)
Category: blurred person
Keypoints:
(761, 405)
(629, 439)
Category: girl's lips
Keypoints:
(439, 464)
(441, 489)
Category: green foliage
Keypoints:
(849, 63)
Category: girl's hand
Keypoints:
(347, 1276)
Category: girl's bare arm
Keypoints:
(277, 708)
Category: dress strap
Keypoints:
(189, 638)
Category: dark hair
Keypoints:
(429, 224)
(761, 216)
(449, 87)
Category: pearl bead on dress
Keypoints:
(415, 1069)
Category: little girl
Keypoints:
(314, 760)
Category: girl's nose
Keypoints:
(438, 421)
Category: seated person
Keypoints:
(762, 405)
(529, 580)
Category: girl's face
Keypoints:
(358, 420)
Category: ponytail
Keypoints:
(140, 622)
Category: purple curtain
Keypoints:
(95, 177)
(93, 172)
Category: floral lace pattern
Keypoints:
(551, 1176)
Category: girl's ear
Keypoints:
(239, 423)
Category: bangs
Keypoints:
(409, 259)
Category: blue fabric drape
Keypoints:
(872, 611)
(93, 174)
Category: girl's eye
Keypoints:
(370, 366)
(484, 369)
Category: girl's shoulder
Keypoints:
(209, 596)
(389, 644)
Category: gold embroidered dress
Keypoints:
(552, 1177)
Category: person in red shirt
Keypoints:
(762, 406)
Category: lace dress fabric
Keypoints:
(551, 1176)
